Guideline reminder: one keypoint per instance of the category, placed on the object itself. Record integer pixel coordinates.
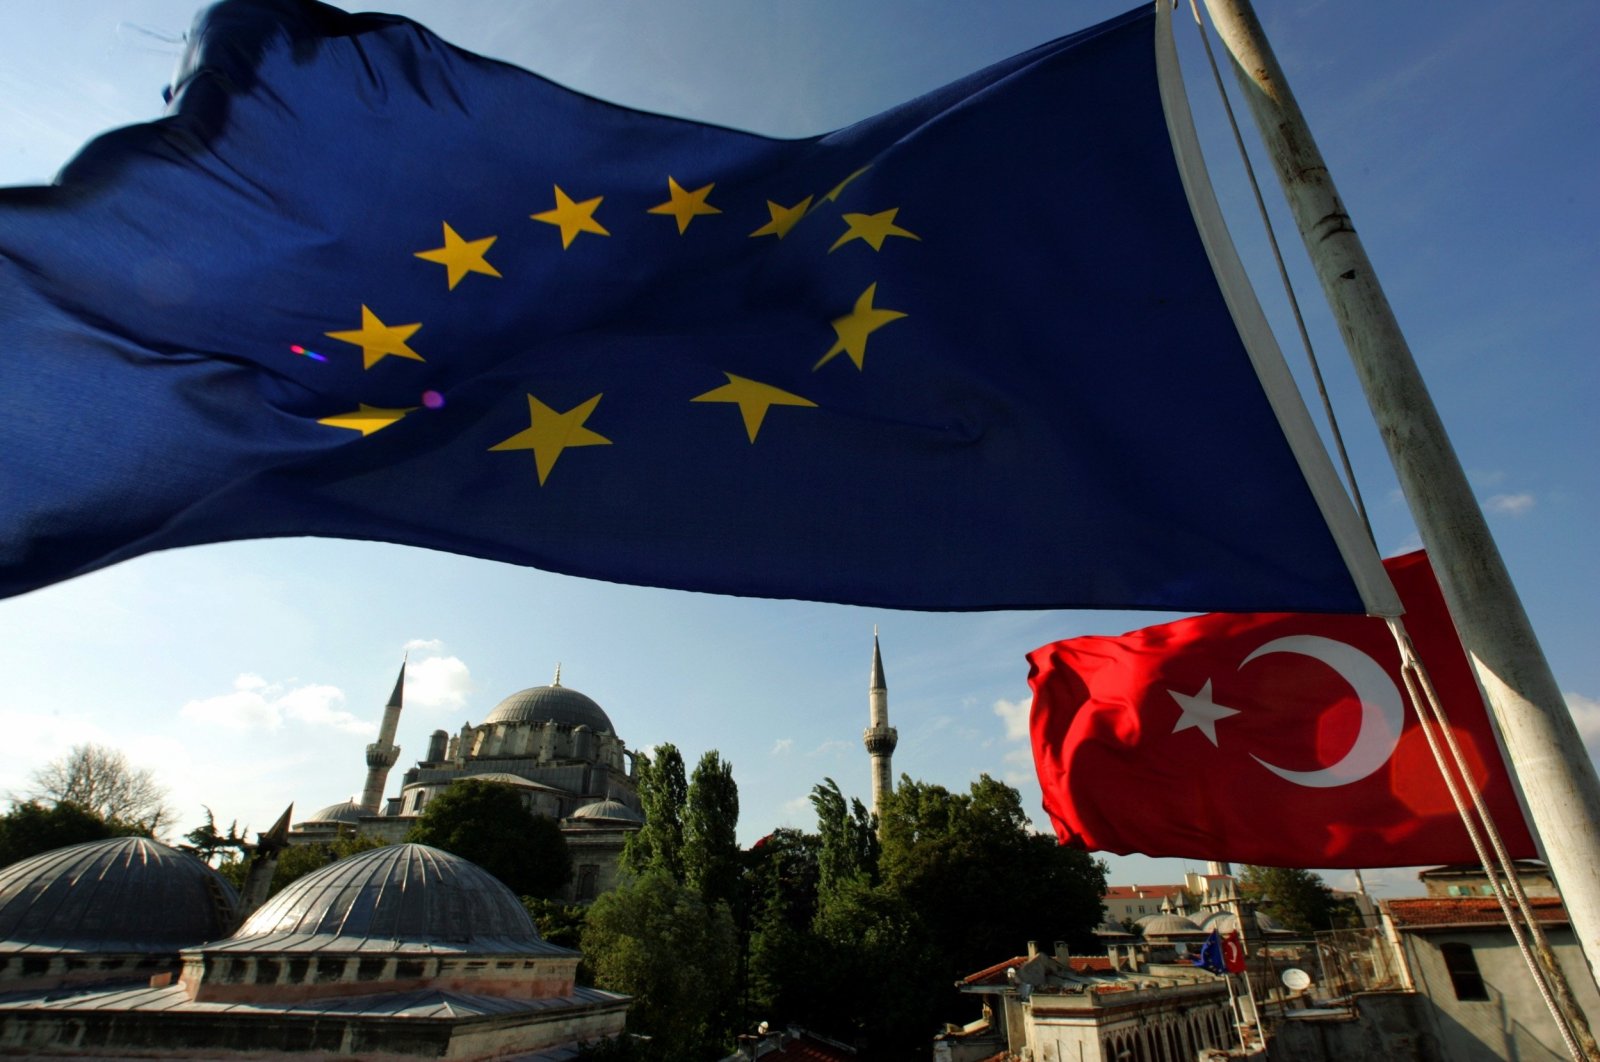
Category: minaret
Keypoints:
(383, 753)
(880, 737)
(263, 862)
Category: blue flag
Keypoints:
(969, 353)
(1210, 957)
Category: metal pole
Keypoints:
(1547, 758)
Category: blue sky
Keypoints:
(250, 675)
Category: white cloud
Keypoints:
(1015, 714)
(424, 645)
(1586, 714)
(438, 682)
(832, 746)
(256, 704)
(782, 745)
(1509, 504)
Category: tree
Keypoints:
(215, 848)
(661, 943)
(849, 840)
(298, 860)
(658, 844)
(30, 828)
(1298, 899)
(102, 781)
(487, 823)
(710, 831)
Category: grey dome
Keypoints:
(505, 778)
(555, 704)
(347, 811)
(1227, 922)
(122, 894)
(1169, 925)
(388, 899)
(608, 809)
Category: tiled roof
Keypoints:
(1140, 892)
(1089, 963)
(808, 1047)
(1434, 912)
(992, 975)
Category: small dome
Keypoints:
(402, 894)
(552, 704)
(1169, 925)
(1227, 922)
(1111, 929)
(122, 894)
(348, 811)
(504, 778)
(608, 809)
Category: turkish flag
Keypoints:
(1280, 739)
(1233, 952)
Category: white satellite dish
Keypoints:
(1296, 980)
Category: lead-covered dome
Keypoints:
(125, 894)
(608, 811)
(400, 897)
(347, 811)
(554, 704)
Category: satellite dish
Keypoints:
(1296, 980)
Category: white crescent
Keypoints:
(1383, 712)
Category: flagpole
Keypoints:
(1547, 757)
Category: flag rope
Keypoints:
(1548, 976)
(1547, 973)
(1283, 275)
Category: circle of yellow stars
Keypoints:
(551, 432)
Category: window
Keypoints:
(588, 881)
(1462, 966)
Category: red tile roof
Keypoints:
(809, 1050)
(992, 975)
(1089, 963)
(1137, 892)
(1439, 911)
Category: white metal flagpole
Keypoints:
(1547, 757)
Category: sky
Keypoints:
(247, 676)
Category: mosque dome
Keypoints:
(346, 811)
(1227, 922)
(400, 895)
(1169, 925)
(505, 778)
(122, 894)
(608, 809)
(553, 704)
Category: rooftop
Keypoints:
(1437, 912)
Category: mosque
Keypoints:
(559, 749)
(556, 746)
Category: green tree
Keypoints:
(663, 792)
(849, 850)
(780, 887)
(661, 943)
(710, 831)
(102, 781)
(487, 823)
(31, 827)
(559, 923)
(1298, 899)
(214, 847)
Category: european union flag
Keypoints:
(1210, 955)
(969, 353)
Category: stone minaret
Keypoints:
(263, 862)
(383, 753)
(880, 737)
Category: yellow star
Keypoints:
(684, 206)
(753, 400)
(783, 218)
(572, 217)
(378, 340)
(834, 195)
(549, 433)
(460, 256)
(366, 419)
(874, 228)
(854, 328)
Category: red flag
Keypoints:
(1232, 952)
(1281, 739)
